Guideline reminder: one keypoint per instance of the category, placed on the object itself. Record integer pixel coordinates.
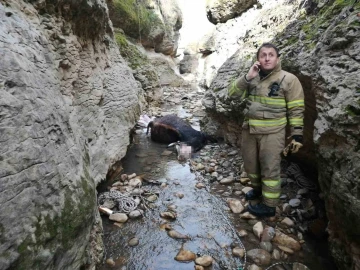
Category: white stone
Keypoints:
(204, 260)
(119, 217)
(258, 229)
(238, 252)
(235, 206)
(246, 189)
(288, 222)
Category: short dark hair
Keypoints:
(268, 45)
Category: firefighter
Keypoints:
(275, 98)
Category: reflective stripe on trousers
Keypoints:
(261, 155)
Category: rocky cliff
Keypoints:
(68, 102)
(320, 44)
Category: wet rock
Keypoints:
(152, 198)
(110, 262)
(204, 260)
(303, 191)
(179, 195)
(288, 222)
(172, 207)
(135, 214)
(199, 167)
(266, 246)
(258, 229)
(227, 180)
(235, 206)
(133, 242)
(246, 189)
(284, 240)
(286, 208)
(286, 249)
(254, 267)
(247, 215)
(109, 204)
(242, 233)
(135, 182)
(185, 256)
(119, 217)
(294, 202)
(259, 256)
(268, 234)
(200, 185)
(238, 252)
(176, 235)
(276, 254)
(168, 215)
(244, 181)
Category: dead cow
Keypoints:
(171, 128)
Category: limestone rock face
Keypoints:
(68, 102)
(322, 49)
(155, 24)
(219, 11)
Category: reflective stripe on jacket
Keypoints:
(269, 114)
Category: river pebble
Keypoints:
(259, 256)
(258, 229)
(266, 246)
(204, 260)
(136, 214)
(294, 202)
(238, 252)
(185, 256)
(133, 242)
(119, 217)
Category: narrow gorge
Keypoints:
(75, 78)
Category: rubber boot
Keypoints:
(253, 194)
(262, 210)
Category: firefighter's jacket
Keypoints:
(269, 114)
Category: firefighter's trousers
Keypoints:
(261, 155)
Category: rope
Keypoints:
(295, 171)
(125, 203)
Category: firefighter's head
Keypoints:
(268, 56)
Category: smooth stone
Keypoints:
(214, 174)
(199, 167)
(119, 217)
(176, 235)
(246, 189)
(276, 254)
(199, 267)
(168, 215)
(135, 182)
(258, 229)
(284, 240)
(247, 215)
(266, 246)
(135, 214)
(152, 198)
(242, 233)
(110, 262)
(179, 195)
(303, 191)
(286, 249)
(238, 252)
(268, 234)
(259, 256)
(133, 242)
(254, 267)
(235, 206)
(130, 176)
(233, 153)
(288, 222)
(185, 256)
(227, 180)
(294, 202)
(204, 260)
(200, 185)
(286, 208)
(244, 180)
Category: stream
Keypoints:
(202, 213)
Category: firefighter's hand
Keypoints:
(294, 145)
(253, 71)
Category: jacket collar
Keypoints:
(276, 69)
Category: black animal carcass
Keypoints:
(171, 128)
